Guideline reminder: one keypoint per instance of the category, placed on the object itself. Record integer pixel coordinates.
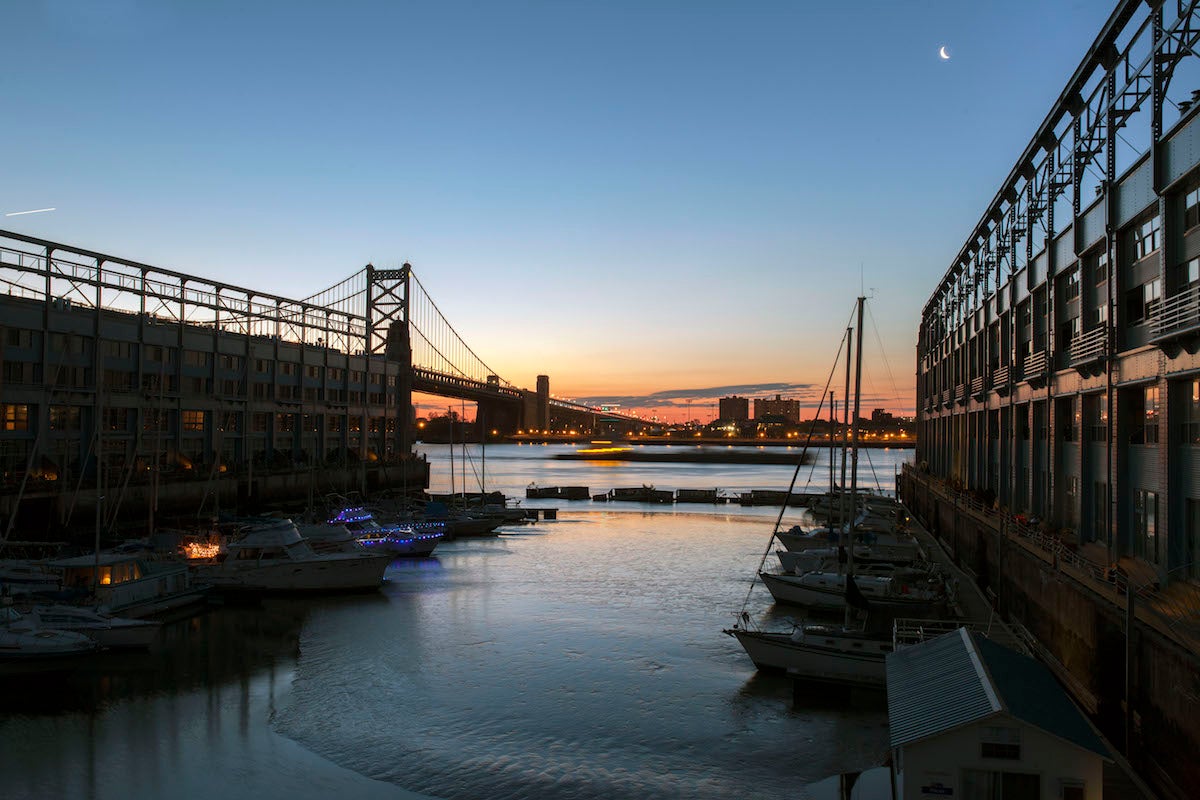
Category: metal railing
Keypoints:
(1178, 313)
(1089, 346)
(1181, 618)
(1035, 364)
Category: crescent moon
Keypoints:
(942, 52)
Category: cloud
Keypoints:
(806, 393)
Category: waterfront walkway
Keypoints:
(975, 608)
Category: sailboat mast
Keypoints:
(845, 426)
(450, 419)
(854, 434)
(853, 456)
(832, 426)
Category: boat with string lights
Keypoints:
(357, 530)
(270, 555)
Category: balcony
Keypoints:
(1000, 379)
(1177, 315)
(979, 387)
(960, 394)
(1089, 347)
(1035, 365)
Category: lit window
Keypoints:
(16, 417)
(193, 420)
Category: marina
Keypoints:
(612, 686)
(672, 470)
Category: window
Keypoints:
(163, 355)
(16, 417)
(1191, 523)
(154, 419)
(1190, 272)
(116, 419)
(1071, 790)
(261, 422)
(1191, 412)
(1070, 286)
(287, 368)
(1146, 239)
(116, 349)
(1141, 302)
(1095, 417)
(999, 742)
(1068, 418)
(1100, 268)
(262, 366)
(193, 420)
(195, 358)
(333, 424)
(18, 337)
(22, 372)
(118, 380)
(1191, 205)
(231, 362)
(1145, 524)
(312, 371)
(64, 418)
(1067, 333)
(285, 423)
(1145, 429)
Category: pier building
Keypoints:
(168, 391)
(1058, 390)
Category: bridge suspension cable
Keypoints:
(437, 345)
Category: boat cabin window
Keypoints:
(247, 553)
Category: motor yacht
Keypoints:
(271, 556)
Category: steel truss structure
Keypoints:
(1125, 76)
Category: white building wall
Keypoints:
(942, 759)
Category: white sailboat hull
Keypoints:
(855, 660)
(883, 547)
(830, 593)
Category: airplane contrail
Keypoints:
(34, 211)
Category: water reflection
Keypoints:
(579, 659)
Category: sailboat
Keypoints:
(842, 654)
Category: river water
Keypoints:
(576, 658)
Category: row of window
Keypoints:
(17, 417)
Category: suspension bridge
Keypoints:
(377, 313)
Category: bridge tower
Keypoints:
(387, 332)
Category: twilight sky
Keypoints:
(657, 203)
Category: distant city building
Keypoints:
(767, 409)
(735, 409)
(881, 418)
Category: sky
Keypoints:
(653, 203)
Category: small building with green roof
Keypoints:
(970, 719)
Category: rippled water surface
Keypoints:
(578, 658)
